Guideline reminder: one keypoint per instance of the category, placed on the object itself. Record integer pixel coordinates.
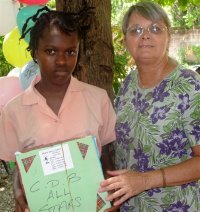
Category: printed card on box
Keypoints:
(63, 177)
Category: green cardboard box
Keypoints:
(63, 177)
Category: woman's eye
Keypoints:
(50, 51)
(156, 29)
(136, 30)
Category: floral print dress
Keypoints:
(156, 128)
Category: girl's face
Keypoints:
(57, 54)
(146, 41)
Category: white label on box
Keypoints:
(56, 159)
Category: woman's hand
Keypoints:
(112, 209)
(20, 200)
(125, 184)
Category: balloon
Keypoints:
(24, 14)
(32, 2)
(15, 50)
(8, 13)
(14, 72)
(9, 88)
(28, 73)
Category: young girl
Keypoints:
(56, 106)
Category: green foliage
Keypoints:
(122, 60)
(51, 4)
(188, 17)
(193, 51)
(196, 50)
(5, 67)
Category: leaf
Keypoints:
(147, 148)
(183, 4)
(195, 114)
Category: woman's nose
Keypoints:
(145, 34)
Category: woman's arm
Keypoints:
(128, 183)
(185, 172)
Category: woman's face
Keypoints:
(57, 54)
(146, 41)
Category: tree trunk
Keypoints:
(96, 62)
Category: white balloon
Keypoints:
(28, 73)
(8, 13)
(14, 72)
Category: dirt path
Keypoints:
(6, 192)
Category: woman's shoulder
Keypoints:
(182, 73)
(184, 80)
(186, 72)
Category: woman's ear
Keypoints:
(124, 40)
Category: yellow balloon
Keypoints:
(15, 50)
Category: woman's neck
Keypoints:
(150, 75)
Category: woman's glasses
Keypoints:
(138, 30)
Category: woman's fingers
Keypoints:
(116, 172)
(123, 185)
(120, 200)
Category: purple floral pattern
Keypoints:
(175, 145)
(177, 207)
(142, 160)
(192, 78)
(139, 103)
(152, 191)
(156, 128)
(184, 105)
(159, 113)
(196, 132)
(160, 92)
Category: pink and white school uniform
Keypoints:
(27, 121)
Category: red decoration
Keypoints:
(33, 2)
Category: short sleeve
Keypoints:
(107, 134)
(191, 115)
(8, 138)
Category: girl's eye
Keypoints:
(50, 51)
(72, 52)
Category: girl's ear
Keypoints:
(34, 56)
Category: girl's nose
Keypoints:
(61, 59)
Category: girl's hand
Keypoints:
(20, 199)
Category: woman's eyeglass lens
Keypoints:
(138, 30)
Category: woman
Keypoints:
(56, 106)
(158, 133)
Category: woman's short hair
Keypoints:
(148, 10)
